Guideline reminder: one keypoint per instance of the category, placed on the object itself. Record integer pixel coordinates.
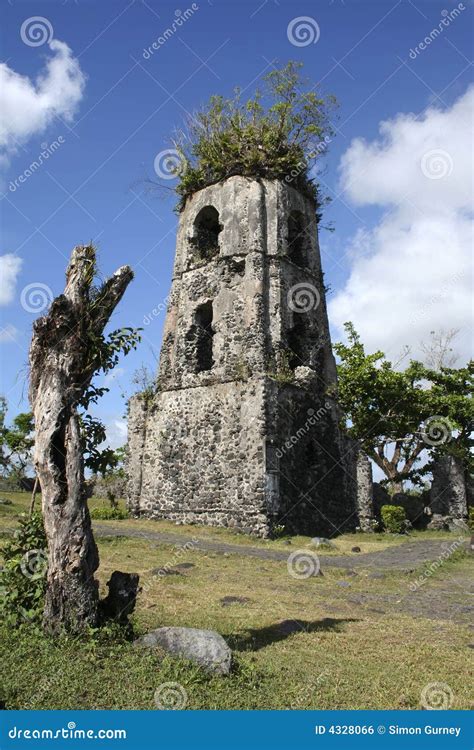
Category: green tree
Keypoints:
(16, 443)
(278, 134)
(395, 415)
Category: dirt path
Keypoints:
(406, 556)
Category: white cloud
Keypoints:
(411, 273)
(10, 266)
(28, 107)
(116, 433)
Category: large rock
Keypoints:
(205, 647)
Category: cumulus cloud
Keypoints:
(10, 267)
(28, 107)
(411, 272)
(116, 431)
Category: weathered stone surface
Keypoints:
(205, 647)
(359, 469)
(240, 432)
(448, 490)
(439, 522)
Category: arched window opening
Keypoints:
(297, 239)
(199, 339)
(205, 240)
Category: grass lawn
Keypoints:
(342, 640)
(342, 543)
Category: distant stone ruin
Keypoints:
(241, 431)
(449, 494)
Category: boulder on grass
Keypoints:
(205, 647)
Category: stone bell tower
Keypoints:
(241, 431)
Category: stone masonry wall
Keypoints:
(209, 447)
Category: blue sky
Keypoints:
(119, 108)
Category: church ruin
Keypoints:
(241, 431)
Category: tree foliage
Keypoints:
(277, 134)
(395, 415)
(23, 576)
(16, 442)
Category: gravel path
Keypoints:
(405, 556)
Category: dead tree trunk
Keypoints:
(63, 360)
(33, 497)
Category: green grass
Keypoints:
(342, 544)
(357, 646)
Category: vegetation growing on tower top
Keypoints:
(278, 134)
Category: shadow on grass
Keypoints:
(254, 639)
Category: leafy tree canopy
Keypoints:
(397, 414)
(16, 442)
